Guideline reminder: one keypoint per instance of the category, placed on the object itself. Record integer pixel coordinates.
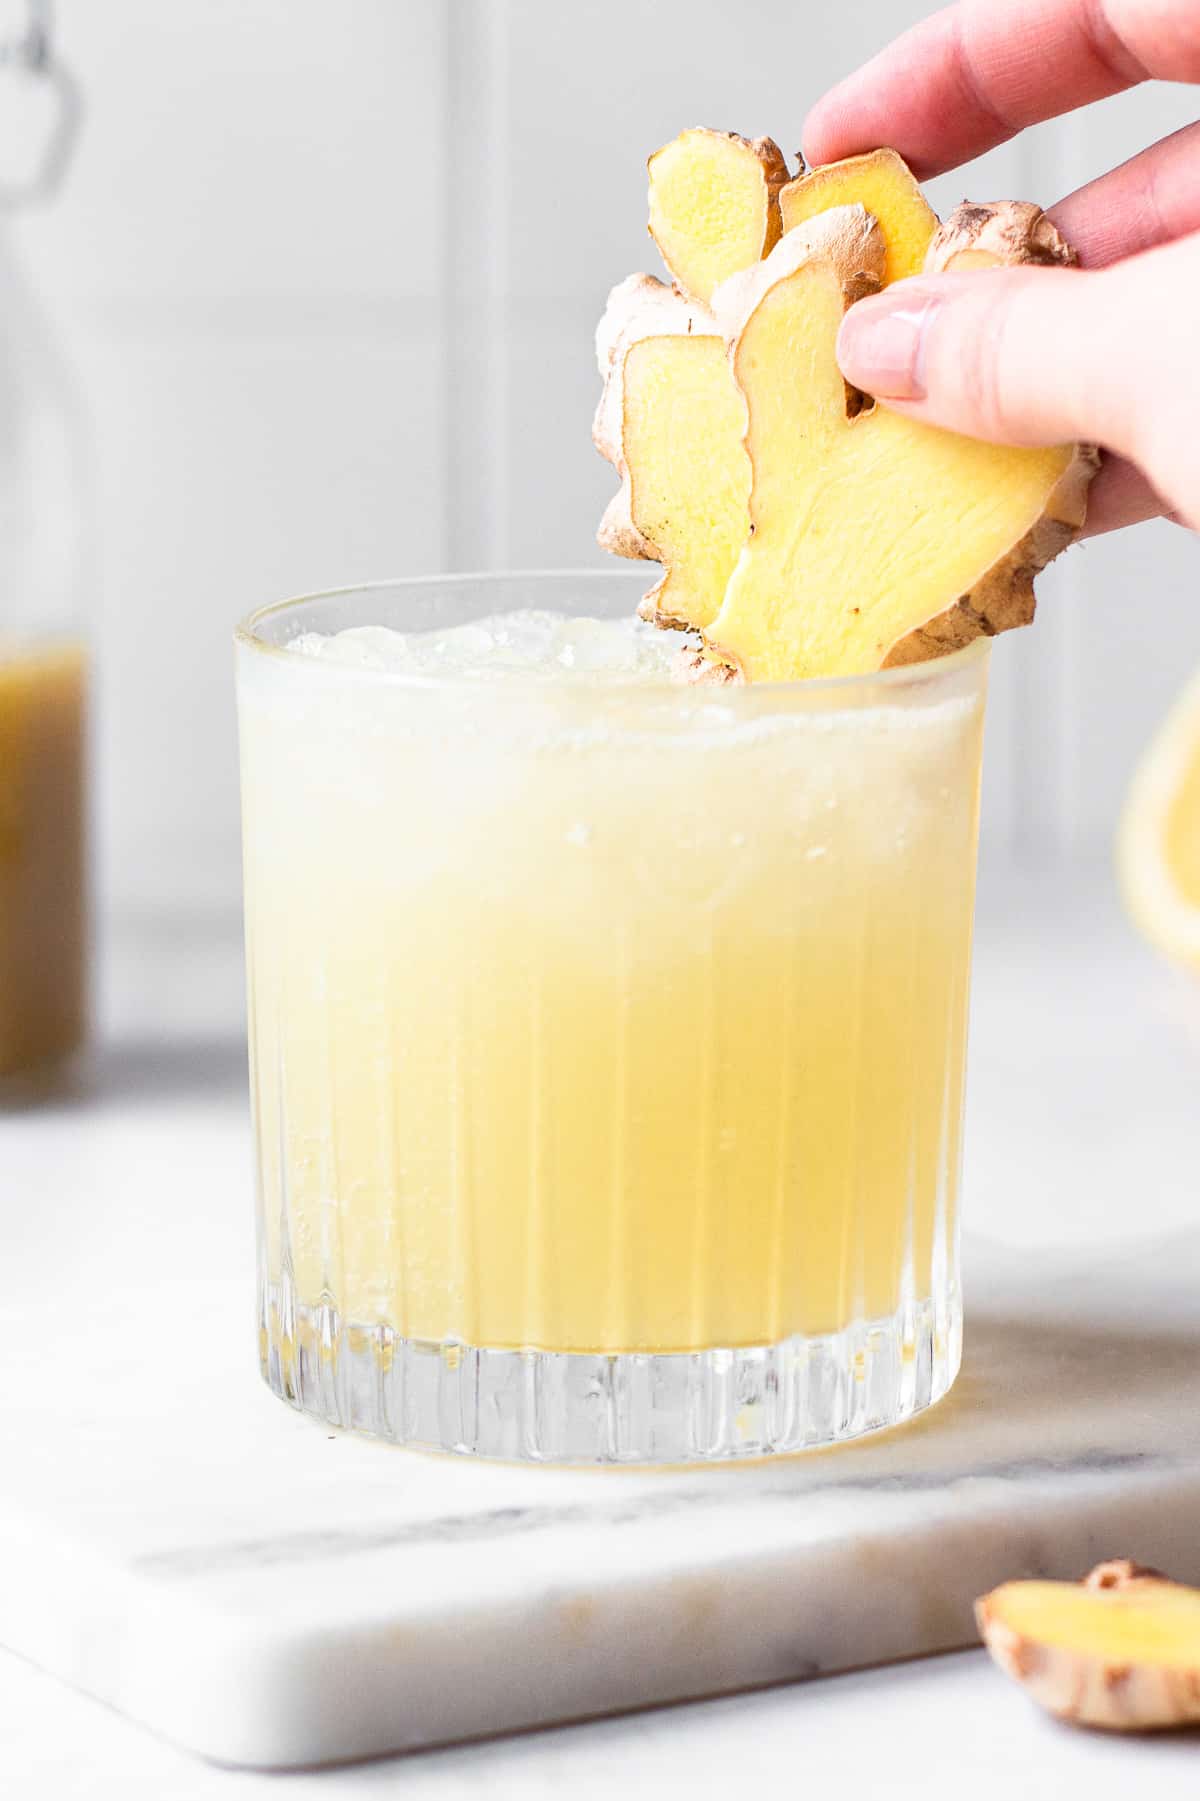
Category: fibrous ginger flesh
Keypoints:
(713, 206)
(1155, 1622)
(688, 471)
(864, 529)
(881, 181)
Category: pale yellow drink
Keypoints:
(596, 1015)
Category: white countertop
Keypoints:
(944, 1726)
(1083, 1128)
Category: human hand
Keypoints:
(1108, 353)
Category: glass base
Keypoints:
(621, 1407)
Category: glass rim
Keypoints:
(246, 633)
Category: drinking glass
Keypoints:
(607, 1039)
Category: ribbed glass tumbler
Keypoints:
(607, 1040)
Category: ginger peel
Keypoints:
(1119, 1650)
(714, 205)
(996, 234)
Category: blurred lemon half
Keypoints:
(1158, 846)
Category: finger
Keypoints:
(1152, 199)
(1045, 356)
(1120, 495)
(1010, 355)
(974, 75)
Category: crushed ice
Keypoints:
(529, 642)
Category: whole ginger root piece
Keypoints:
(875, 540)
(714, 206)
(1120, 1650)
(881, 181)
(672, 422)
(817, 594)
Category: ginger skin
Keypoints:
(1119, 1651)
(692, 669)
(996, 234)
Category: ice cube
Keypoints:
(529, 642)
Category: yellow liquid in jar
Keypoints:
(42, 878)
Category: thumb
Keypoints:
(1016, 356)
(1051, 356)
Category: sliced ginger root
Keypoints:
(882, 182)
(714, 206)
(804, 540)
(673, 423)
(875, 540)
(671, 419)
(1120, 1650)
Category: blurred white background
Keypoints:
(328, 272)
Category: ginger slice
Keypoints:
(639, 306)
(714, 205)
(1120, 1650)
(672, 421)
(882, 182)
(876, 540)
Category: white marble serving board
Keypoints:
(267, 1593)
(176, 1542)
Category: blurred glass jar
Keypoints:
(43, 659)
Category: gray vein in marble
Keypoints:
(188, 1562)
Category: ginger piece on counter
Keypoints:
(1119, 1650)
(714, 205)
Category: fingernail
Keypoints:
(881, 346)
